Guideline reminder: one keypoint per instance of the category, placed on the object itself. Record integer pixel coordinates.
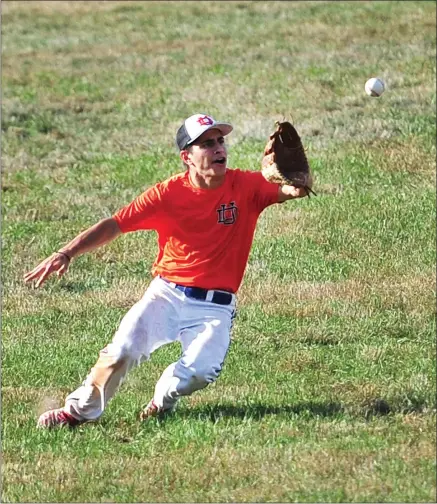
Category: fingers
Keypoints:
(43, 277)
(31, 275)
(62, 270)
(55, 263)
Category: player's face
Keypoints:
(207, 155)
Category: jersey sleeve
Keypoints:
(264, 193)
(144, 212)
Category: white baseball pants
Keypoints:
(163, 315)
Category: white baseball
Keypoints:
(374, 87)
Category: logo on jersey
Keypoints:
(227, 215)
(205, 121)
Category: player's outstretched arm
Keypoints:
(287, 192)
(103, 232)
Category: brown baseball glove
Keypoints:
(284, 160)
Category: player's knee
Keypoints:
(123, 346)
(194, 377)
(114, 353)
(204, 376)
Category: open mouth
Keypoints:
(220, 161)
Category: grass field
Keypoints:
(328, 393)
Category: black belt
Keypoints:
(218, 297)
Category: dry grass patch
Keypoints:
(141, 55)
(60, 7)
(300, 361)
(284, 220)
(352, 392)
(410, 158)
(415, 294)
(122, 294)
(274, 291)
(373, 353)
(228, 474)
(367, 399)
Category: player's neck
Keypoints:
(204, 181)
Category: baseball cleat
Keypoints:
(57, 418)
(152, 410)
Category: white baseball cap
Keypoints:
(195, 126)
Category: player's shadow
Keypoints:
(256, 411)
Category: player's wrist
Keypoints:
(68, 256)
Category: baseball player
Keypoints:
(205, 220)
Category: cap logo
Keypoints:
(205, 121)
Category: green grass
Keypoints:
(328, 391)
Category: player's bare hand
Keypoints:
(56, 263)
(287, 192)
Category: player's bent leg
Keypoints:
(205, 348)
(177, 380)
(89, 401)
(135, 339)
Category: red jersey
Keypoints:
(204, 235)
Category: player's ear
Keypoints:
(184, 155)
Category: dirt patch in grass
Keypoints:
(37, 401)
